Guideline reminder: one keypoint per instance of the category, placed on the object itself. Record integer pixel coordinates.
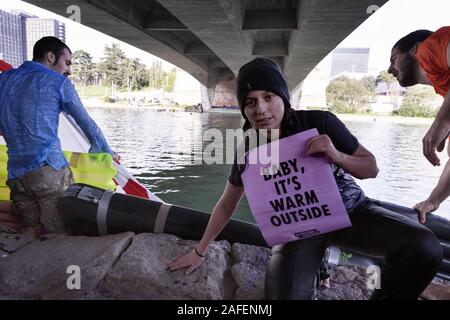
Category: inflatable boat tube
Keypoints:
(92, 211)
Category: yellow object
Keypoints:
(4, 190)
(95, 169)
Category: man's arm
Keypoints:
(71, 104)
(438, 195)
(437, 133)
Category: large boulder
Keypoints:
(39, 270)
(11, 242)
(347, 283)
(142, 272)
(128, 266)
(248, 270)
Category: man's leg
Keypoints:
(5, 206)
(412, 252)
(53, 183)
(8, 222)
(293, 268)
(24, 206)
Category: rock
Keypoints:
(142, 272)
(128, 266)
(11, 242)
(38, 271)
(347, 283)
(249, 270)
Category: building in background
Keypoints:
(354, 60)
(37, 28)
(19, 31)
(349, 62)
(11, 38)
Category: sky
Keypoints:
(394, 20)
(379, 32)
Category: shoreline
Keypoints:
(97, 104)
(383, 118)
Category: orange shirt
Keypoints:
(432, 56)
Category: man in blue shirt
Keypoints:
(31, 99)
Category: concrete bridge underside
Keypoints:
(211, 39)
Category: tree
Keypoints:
(171, 76)
(156, 75)
(130, 73)
(113, 65)
(418, 102)
(141, 75)
(387, 78)
(345, 95)
(135, 74)
(83, 67)
(369, 82)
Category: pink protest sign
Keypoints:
(297, 197)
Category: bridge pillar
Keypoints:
(223, 94)
(296, 95)
(206, 101)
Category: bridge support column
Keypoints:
(206, 101)
(223, 94)
(296, 94)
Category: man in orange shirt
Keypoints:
(424, 57)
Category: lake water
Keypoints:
(159, 148)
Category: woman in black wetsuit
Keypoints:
(412, 252)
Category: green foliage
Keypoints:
(135, 74)
(83, 67)
(345, 256)
(385, 77)
(115, 68)
(113, 65)
(369, 83)
(171, 80)
(160, 78)
(345, 95)
(418, 102)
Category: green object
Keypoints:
(95, 169)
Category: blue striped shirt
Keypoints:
(31, 99)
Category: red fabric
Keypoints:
(5, 66)
(135, 189)
(432, 56)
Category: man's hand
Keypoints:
(425, 207)
(115, 156)
(435, 136)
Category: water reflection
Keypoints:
(159, 149)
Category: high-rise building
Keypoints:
(19, 32)
(11, 38)
(23, 18)
(353, 60)
(37, 28)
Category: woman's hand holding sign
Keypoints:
(323, 144)
(361, 164)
